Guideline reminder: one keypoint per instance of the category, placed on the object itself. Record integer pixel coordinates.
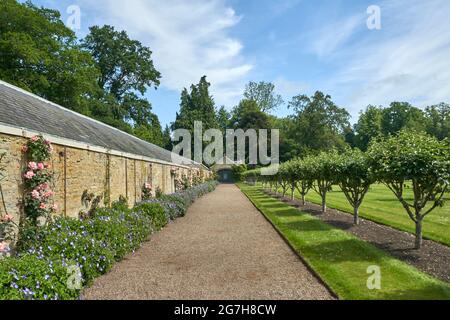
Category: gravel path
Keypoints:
(223, 249)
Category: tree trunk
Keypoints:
(418, 234)
(292, 195)
(303, 200)
(356, 215)
(324, 203)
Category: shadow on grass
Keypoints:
(348, 250)
(433, 292)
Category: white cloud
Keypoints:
(333, 35)
(407, 60)
(189, 39)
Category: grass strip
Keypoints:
(343, 260)
(381, 206)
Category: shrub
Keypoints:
(41, 269)
(32, 278)
(70, 242)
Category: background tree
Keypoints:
(263, 93)
(420, 160)
(126, 70)
(40, 54)
(400, 116)
(438, 123)
(196, 105)
(368, 127)
(319, 123)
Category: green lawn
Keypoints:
(380, 205)
(342, 259)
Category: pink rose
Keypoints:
(35, 194)
(55, 207)
(35, 138)
(43, 206)
(40, 166)
(43, 186)
(48, 194)
(47, 142)
(24, 149)
(29, 175)
(4, 247)
(32, 166)
(7, 218)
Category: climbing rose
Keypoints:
(40, 166)
(35, 194)
(48, 194)
(29, 175)
(7, 218)
(24, 149)
(43, 206)
(43, 186)
(55, 207)
(4, 247)
(35, 138)
(32, 165)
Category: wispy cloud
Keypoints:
(334, 35)
(407, 60)
(189, 39)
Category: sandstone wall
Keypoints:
(77, 171)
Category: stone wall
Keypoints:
(78, 170)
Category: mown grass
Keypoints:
(380, 205)
(342, 259)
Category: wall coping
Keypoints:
(26, 133)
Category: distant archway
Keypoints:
(225, 176)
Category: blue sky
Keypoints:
(300, 45)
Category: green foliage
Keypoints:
(38, 196)
(238, 171)
(438, 124)
(318, 123)
(32, 278)
(247, 115)
(196, 105)
(400, 116)
(263, 93)
(99, 78)
(419, 158)
(352, 173)
(40, 54)
(368, 127)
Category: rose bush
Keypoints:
(38, 198)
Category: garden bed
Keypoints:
(433, 258)
(55, 261)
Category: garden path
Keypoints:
(223, 249)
